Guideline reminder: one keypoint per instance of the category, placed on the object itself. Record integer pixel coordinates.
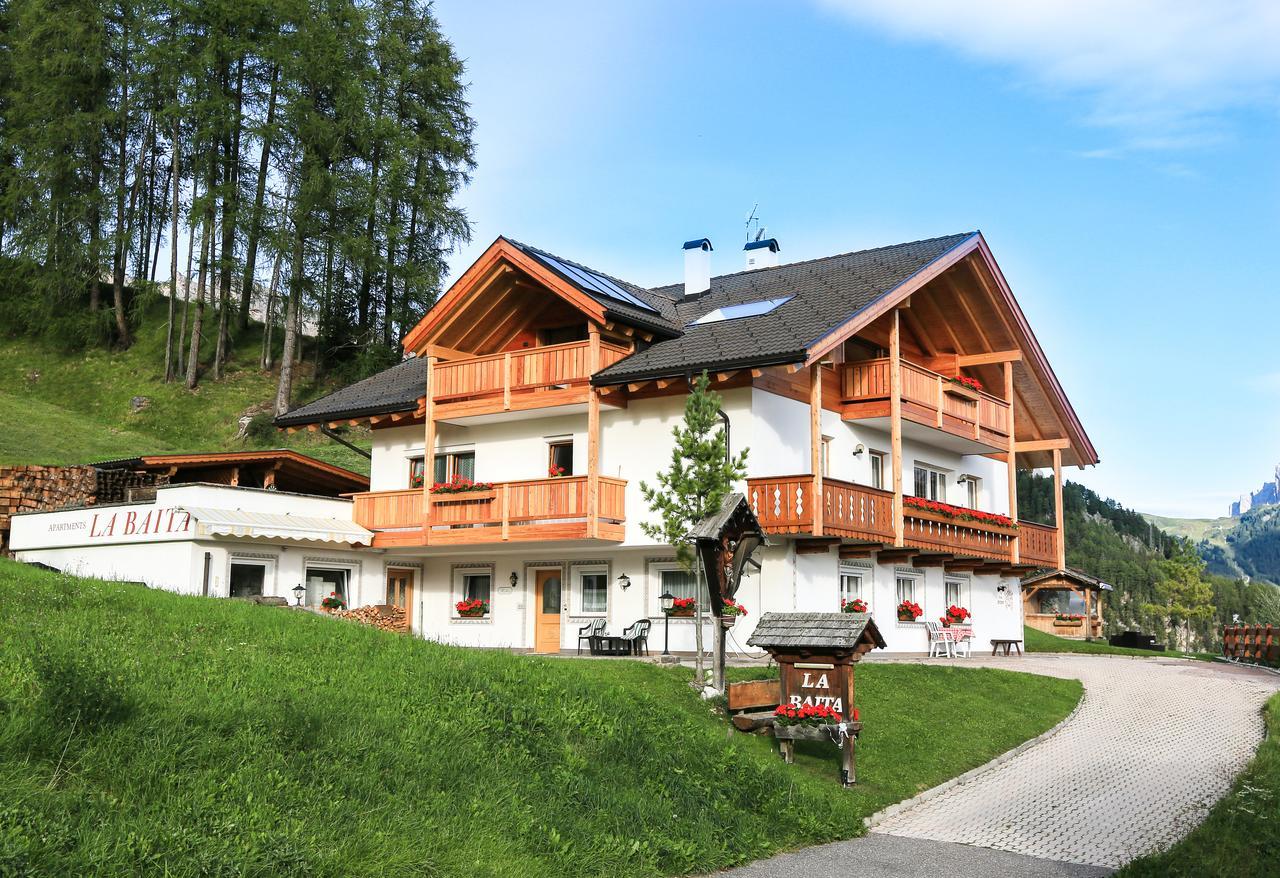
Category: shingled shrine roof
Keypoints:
(810, 630)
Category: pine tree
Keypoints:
(698, 478)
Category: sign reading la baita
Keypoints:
(815, 687)
(131, 523)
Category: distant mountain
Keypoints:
(1268, 494)
(1246, 546)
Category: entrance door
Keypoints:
(547, 619)
(400, 592)
(247, 579)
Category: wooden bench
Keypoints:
(996, 643)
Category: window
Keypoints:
(1060, 600)
(246, 579)
(477, 586)
(748, 309)
(877, 469)
(972, 491)
(324, 581)
(564, 334)
(957, 593)
(683, 584)
(560, 458)
(415, 472)
(454, 465)
(594, 587)
(906, 588)
(931, 484)
(850, 585)
(826, 455)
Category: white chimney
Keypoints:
(762, 254)
(697, 266)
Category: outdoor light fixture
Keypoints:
(298, 591)
(666, 600)
(1002, 588)
(514, 579)
(858, 449)
(624, 581)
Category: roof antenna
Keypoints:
(754, 217)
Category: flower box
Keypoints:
(909, 611)
(826, 733)
(683, 608)
(473, 609)
(932, 510)
(960, 390)
(462, 496)
(1068, 623)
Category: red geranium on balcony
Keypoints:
(909, 611)
(959, 512)
(966, 381)
(458, 485)
(857, 605)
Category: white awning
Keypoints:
(276, 526)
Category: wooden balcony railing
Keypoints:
(927, 398)
(785, 505)
(497, 382)
(534, 509)
(1037, 544)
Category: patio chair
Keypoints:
(594, 628)
(939, 640)
(637, 637)
(964, 643)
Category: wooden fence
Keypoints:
(1252, 643)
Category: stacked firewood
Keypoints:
(381, 616)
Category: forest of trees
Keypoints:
(299, 157)
(1161, 583)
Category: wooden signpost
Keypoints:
(816, 654)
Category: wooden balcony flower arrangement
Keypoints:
(555, 472)
(1068, 620)
(730, 612)
(333, 603)
(857, 605)
(473, 609)
(682, 608)
(955, 616)
(947, 512)
(459, 490)
(962, 385)
(909, 611)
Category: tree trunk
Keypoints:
(230, 202)
(284, 391)
(197, 319)
(173, 257)
(164, 198)
(186, 281)
(268, 355)
(699, 662)
(259, 195)
(95, 238)
(117, 273)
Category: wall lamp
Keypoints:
(858, 449)
(624, 581)
(514, 579)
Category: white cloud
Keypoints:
(1155, 68)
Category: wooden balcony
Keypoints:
(928, 399)
(535, 509)
(540, 377)
(785, 505)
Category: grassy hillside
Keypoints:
(143, 732)
(62, 407)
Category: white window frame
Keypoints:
(459, 587)
(858, 573)
(270, 565)
(916, 581)
(935, 487)
(972, 491)
(963, 592)
(580, 591)
(655, 571)
(876, 461)
(352, 583)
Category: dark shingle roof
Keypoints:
(396, 389)
(1073, 576)
(834, 630)
(826, 292)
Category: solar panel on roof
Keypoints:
(747, 309)
(594, 282)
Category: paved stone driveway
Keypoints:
(1153, 745)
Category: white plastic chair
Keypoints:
(964, 643)
(939, 640)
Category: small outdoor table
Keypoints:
(609, 644)
(997, 643)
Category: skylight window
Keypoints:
(747, 309)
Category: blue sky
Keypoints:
(1121, 161)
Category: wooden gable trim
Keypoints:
(460, 293)
(892, 300)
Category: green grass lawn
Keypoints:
(1035, 640)
(143, 732)
(65, 407)
(1241, 835)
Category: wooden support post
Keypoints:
(1057, 508)
(428, 450)
(818, 500)
(1088, 616)
(1015, 544)
(506, 510)
(235, 476)
(895, 423)
(941, 393)
(593, 435)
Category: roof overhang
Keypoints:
(211, 522)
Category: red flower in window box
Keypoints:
(682, 607)
(857, 605)
(959, 512)
(554, 471)
(967, 382)
(473, 608)
(909, 611)
(458, 485)
(956, 615)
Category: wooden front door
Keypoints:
(547, 618)
(400, 592)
